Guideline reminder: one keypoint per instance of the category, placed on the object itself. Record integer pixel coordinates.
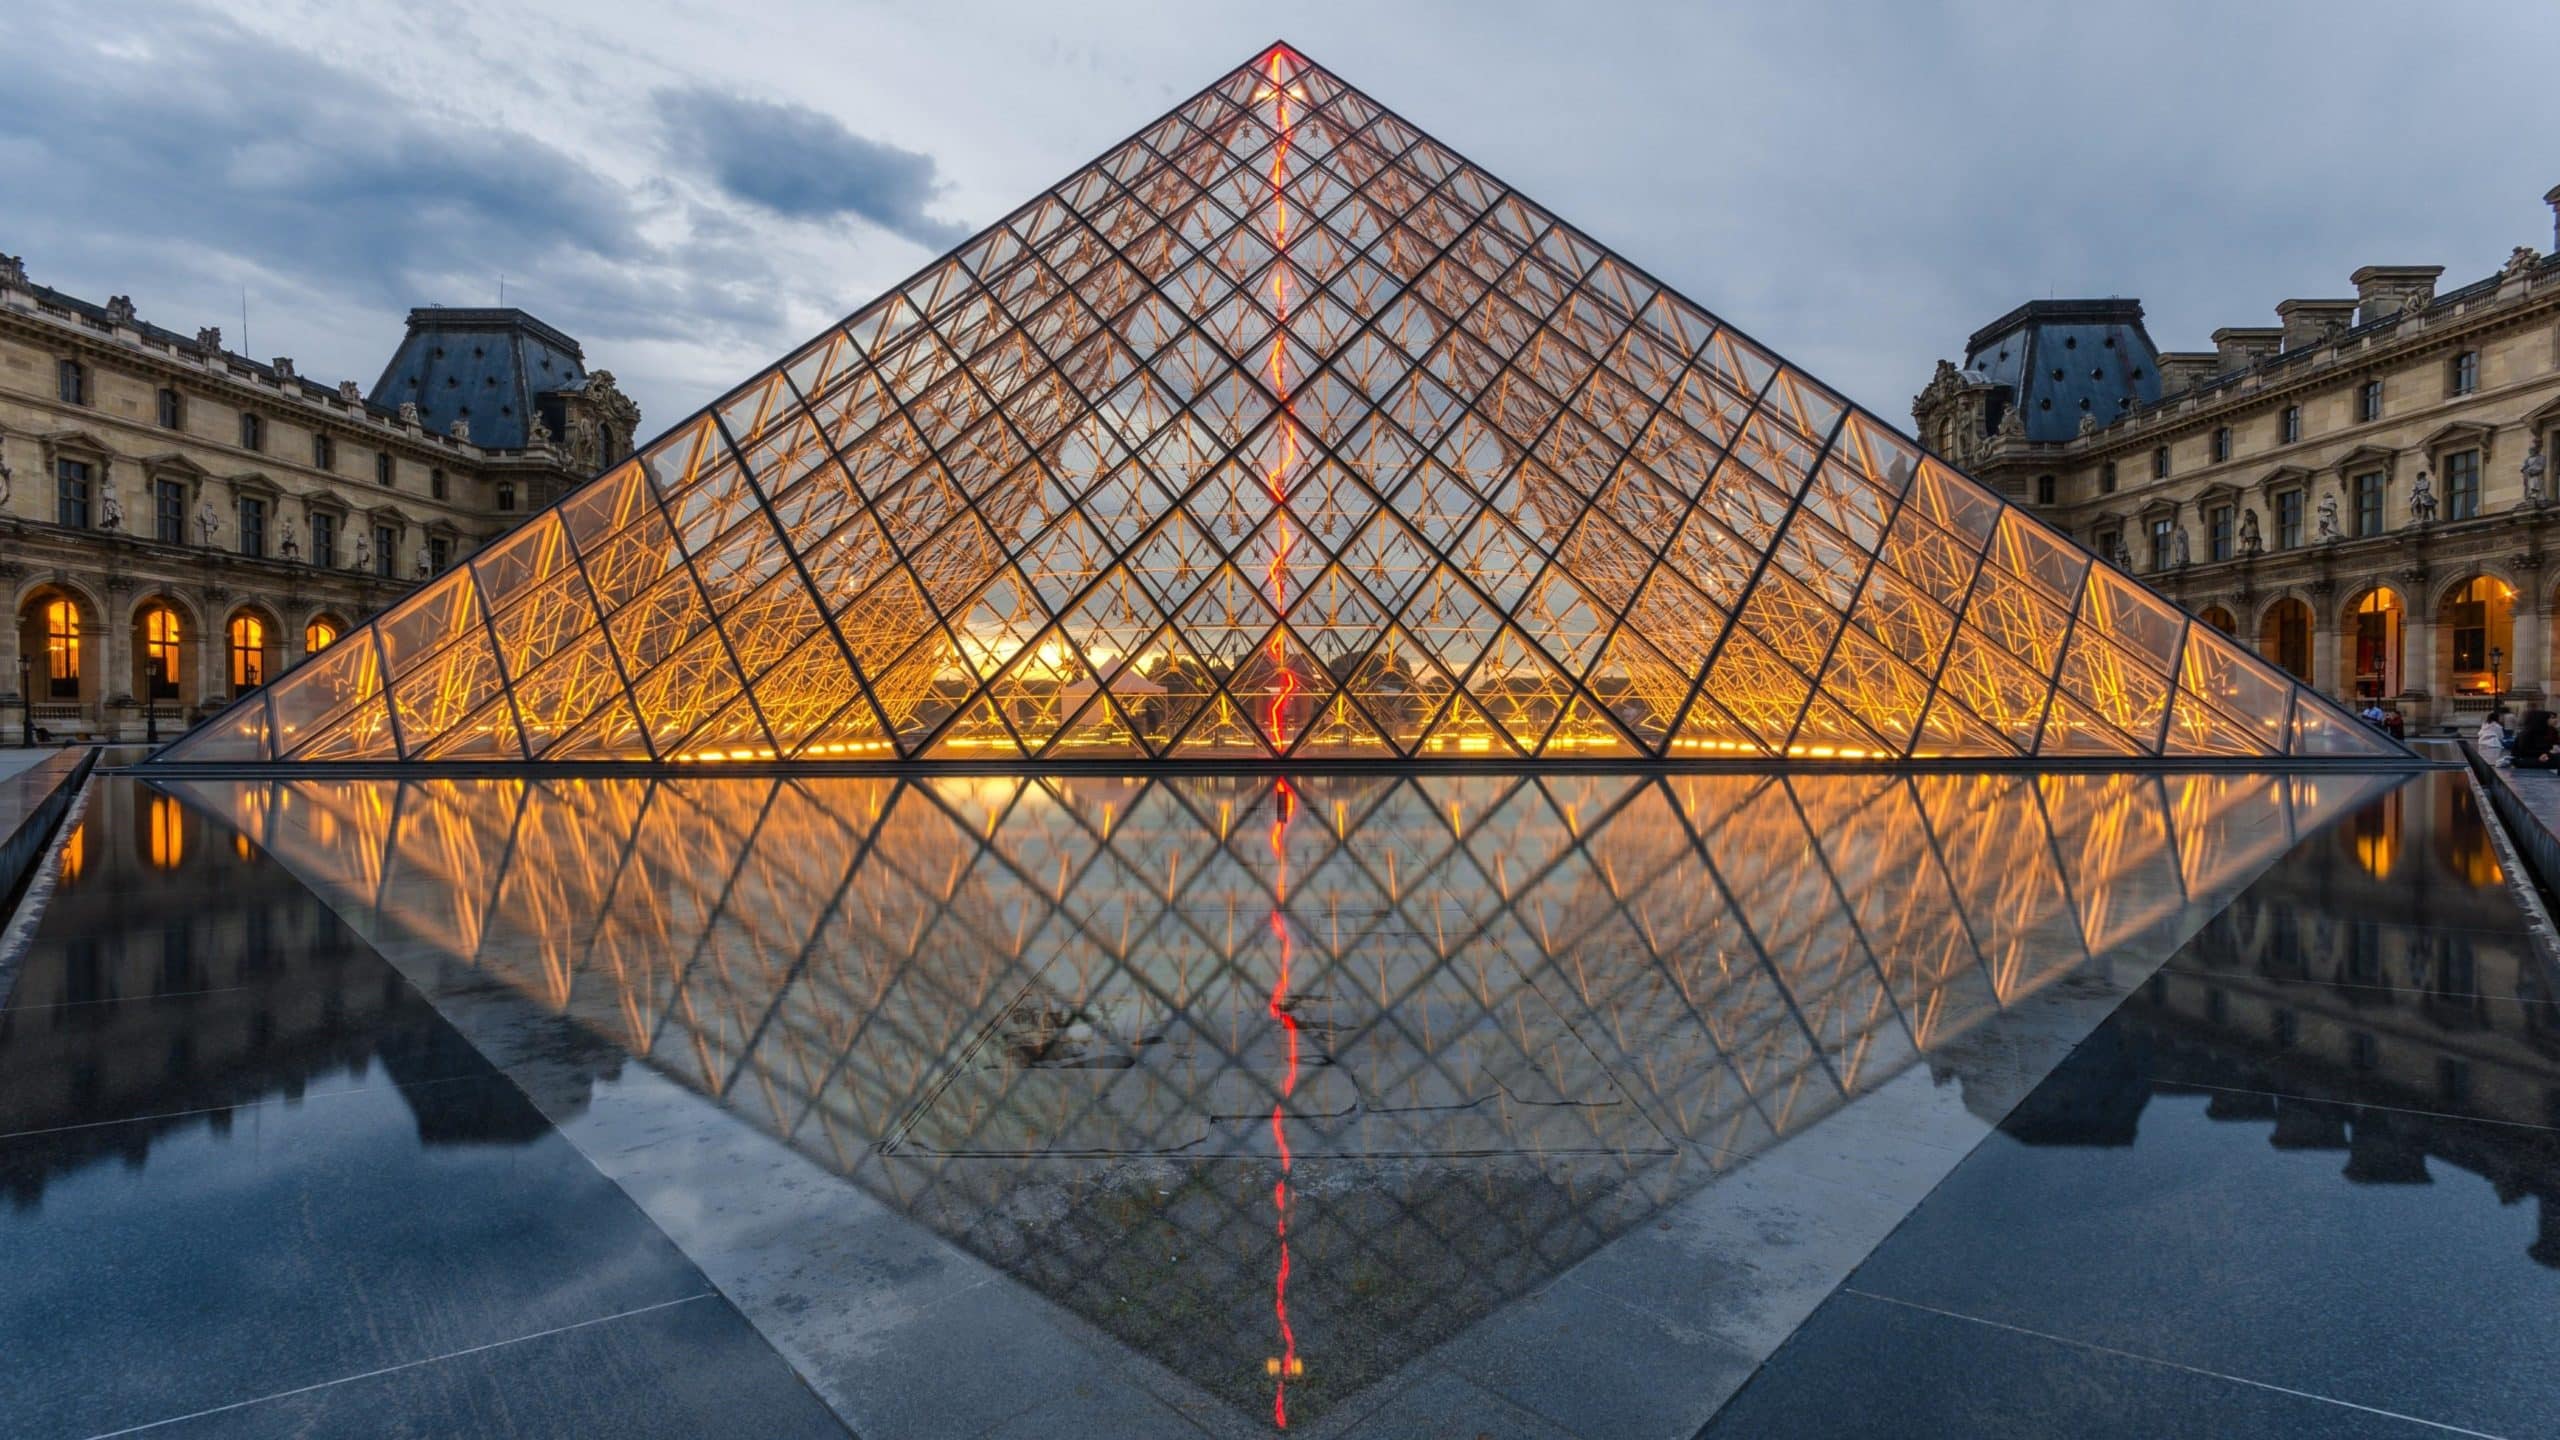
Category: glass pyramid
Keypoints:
(1281, 431)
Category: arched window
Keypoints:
(2285, 637)
(2220, 619)
(248, 653)
(319, 635)
(62, 648)
(2478, 621)
(2376, 658)
(160, 636)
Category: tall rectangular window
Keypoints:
(382, 471)
(173, 410)
(2107, 478)
(2369, 401)
(439, 553)
(324, 451)
(2160, 543)
(324, 539)
(2462, 375)
(70, 382)
(253, 431)
(2044, 489)
(2160, 463)
(2462, 485)
(2289, 520)
(2290, 424)
(253, 525)
(169, 511)
(2369, 497)
(2218, 532)
(2221, 443)
(71, 493)
(386, 541)
(435, 483)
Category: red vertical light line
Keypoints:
(1287, 460)
(1286, 801)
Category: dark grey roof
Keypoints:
(2062, 359)
(489, 366)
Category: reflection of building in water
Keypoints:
(176, 970)
(1037, 1014)
(2313, 1006)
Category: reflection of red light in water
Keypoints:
(1277, 720)
(1286, 802)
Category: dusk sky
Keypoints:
(691, 189)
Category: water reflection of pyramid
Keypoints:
(1281, 429)
(1040, 1015)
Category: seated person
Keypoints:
(2537, 744)
(2493, 736)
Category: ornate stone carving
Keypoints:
(409, 413)
(283, 366)
(2088, 426)
(2178, 548)
(209, 339)
(426, 563)
(4, 482)
(2123, 558)
(289, 545)
(350, 392)
(13, 272)
(537, 432)
(208, 524)
(363, 553)
(2422, 499)
(2520, 260)
(2329, 532)
(110, 511)
(120, 310)
(2535, 497)
(2013, 425)
(460, 429)
(2251, 543)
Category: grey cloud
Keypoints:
(803, 164)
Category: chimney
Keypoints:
(2386, 290)
(2309, 322)
(2182, 369)
(2237, 347)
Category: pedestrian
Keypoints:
(2372, 714)
(2493, 738)
(2537, 744)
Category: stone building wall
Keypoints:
(2362, 491)
(178, 522)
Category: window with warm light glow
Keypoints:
(160, 640)
(248, 653)
(319, 635)
(2377, 644)
(62, 649)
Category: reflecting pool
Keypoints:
(1329, 1103)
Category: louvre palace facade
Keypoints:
(180, 524)
(2361, 493)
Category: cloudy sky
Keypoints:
(691, 188)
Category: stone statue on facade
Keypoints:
(288, 544)
(2251, 543)
(5, 476)
(537, 431)
(2178, 548)
(2520, 260)
(209, 339)
(409, 413)
(426, 564)
(2088, 425)
(2329, 533)
(2534, 465)
(2122, 558)
(13, 272)
(460, 429)
(208, 524)
(2422, 498)
(2013, 425)
(364, 552)
(120, 309)
(110, 512)
(350, 392)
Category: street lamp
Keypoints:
(2497, 659)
